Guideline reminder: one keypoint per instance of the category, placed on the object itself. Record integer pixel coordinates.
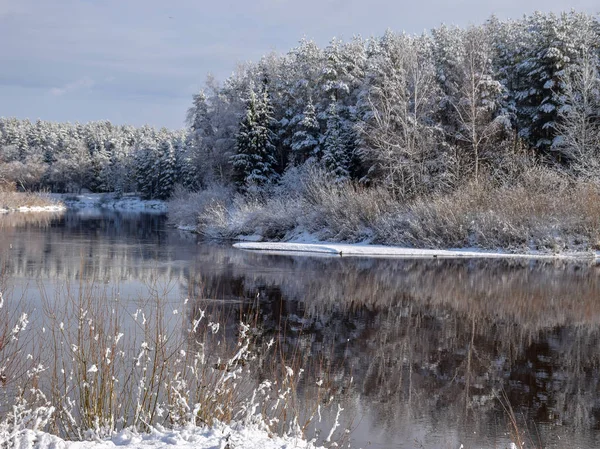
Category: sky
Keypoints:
(140, 61)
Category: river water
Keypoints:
(420, 353)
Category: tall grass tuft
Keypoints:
(11, 200)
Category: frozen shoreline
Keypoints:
(365, 250)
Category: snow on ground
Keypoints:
(186, 228)
(52, 208)
(110, 201)
(191, 437)
(358, 250)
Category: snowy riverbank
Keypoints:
(190, 437)
(11, 201)
(366, 250)
(51, 208)
(58, 202)
(110, 201)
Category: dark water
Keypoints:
(420, 353)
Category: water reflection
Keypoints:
(428, 344)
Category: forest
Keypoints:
(487, 135)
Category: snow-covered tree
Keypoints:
(336, 159)
(72, 169)
(165, 169)
(477, 98)
(398, 103)
(305, 141)
(578, 127)
(552, 45)
(254, 161)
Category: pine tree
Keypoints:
(254, 161)
(335, 155)
(552, 47)
(165, 166)
(305, 141)
(145, 175)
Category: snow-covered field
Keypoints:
(190, 437)
(110, 201)
(358, 250)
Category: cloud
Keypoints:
(11, 8)
(82, 83)
(134, 50)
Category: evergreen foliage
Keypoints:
(254, 161)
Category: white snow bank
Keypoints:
(357, 250)
(51, 208)
(190, 437)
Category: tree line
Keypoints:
(97, 156)
(416, 114)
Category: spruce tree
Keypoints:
(254, 161)
(335, 157)
(164, 167)
(305, 141)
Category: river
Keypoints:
(420, 353)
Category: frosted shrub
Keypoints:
(24, 409)
(344, 211)
(186, 207)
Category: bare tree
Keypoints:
(578, 130)
(476, 99)
(397, 132)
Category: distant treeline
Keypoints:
(415, 114)
(97, 156)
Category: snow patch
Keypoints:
(51, 208)
(365, 250)
(249, 238)
(189, 437)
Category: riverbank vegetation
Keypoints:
(482, 136)
(88, 364)
(12, 200)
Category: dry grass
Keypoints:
(110, 364)
(185, 207)
(543, 211)
(13, 200)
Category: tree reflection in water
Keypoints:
(428, 344)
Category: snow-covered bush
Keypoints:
(185, 206)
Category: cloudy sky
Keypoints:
(139, 61)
